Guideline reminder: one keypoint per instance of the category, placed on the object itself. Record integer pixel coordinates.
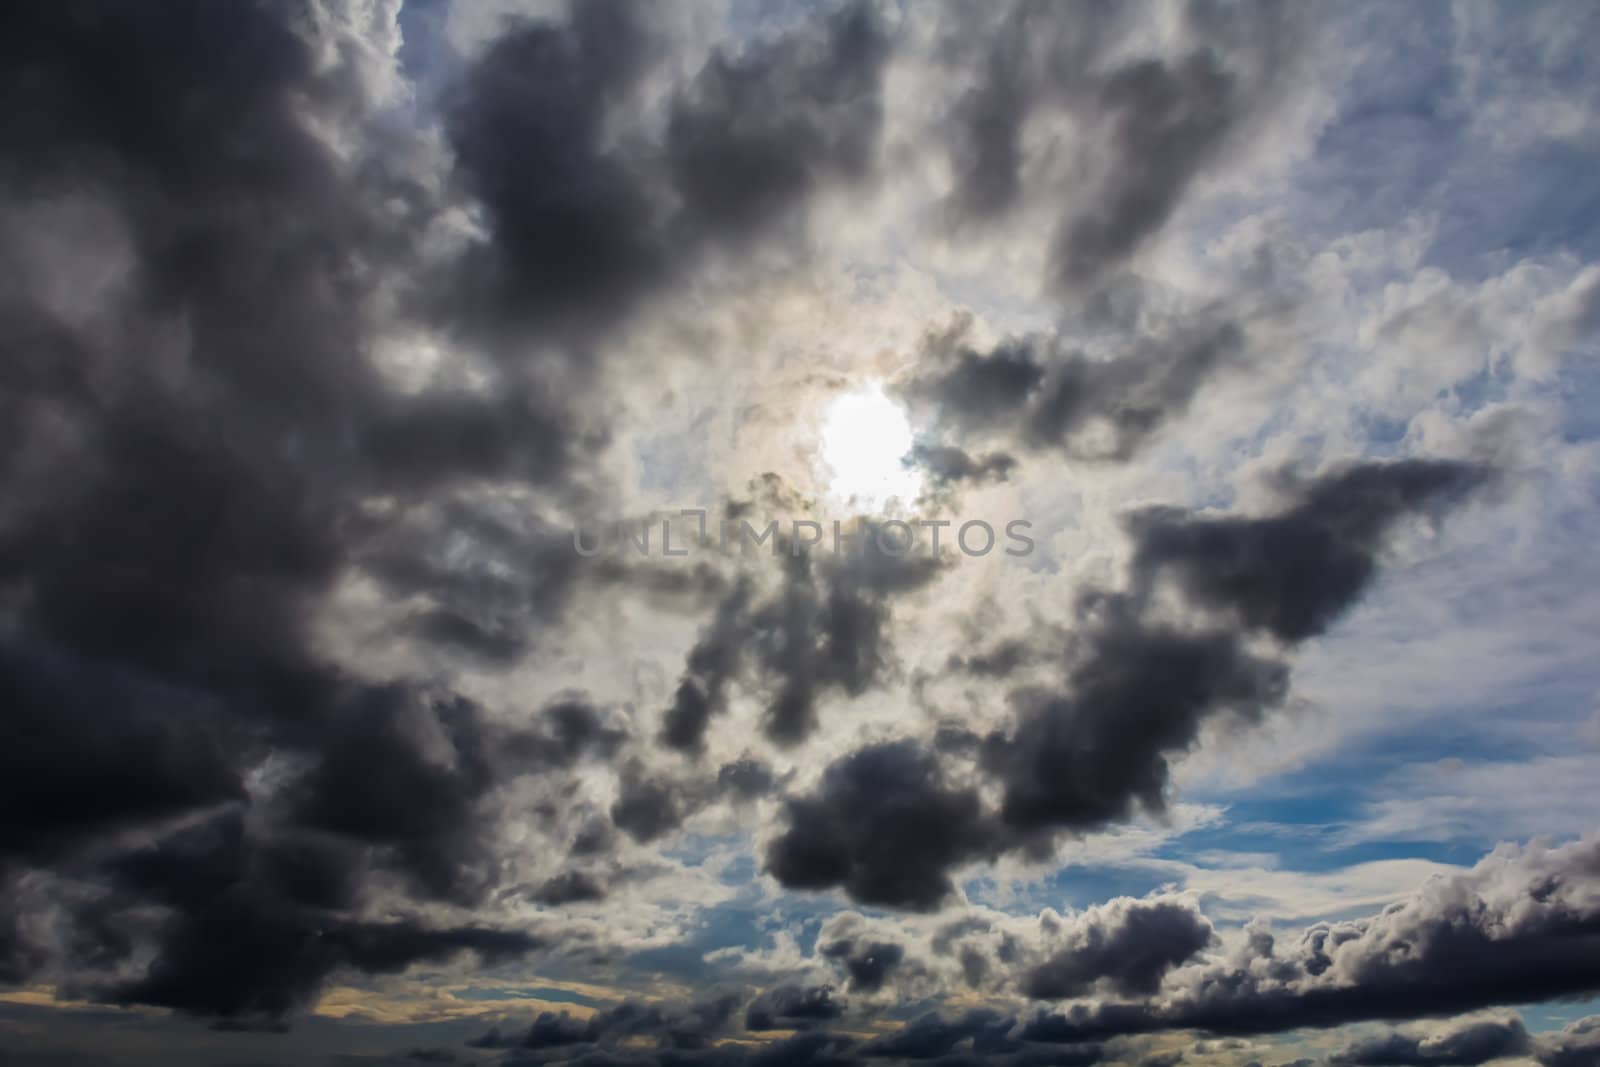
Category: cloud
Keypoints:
(825, 628)
(1128, 945)
(1095, 754)
(1468, 1042)
(245, 956)
(1292, 574)
(683, 1026)
(1144, 127)
(883, 824)
(1042, 393)
(868, 964)
(886, 825)
(1574, 1046)
(585, 227)
(1140, 688)
(248, 426)
(793, 1008)
(319, 334)
(1519, 927)
(661, 1033)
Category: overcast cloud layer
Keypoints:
(1260, 337)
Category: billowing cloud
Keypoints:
(1519, 927)
(1129, 945)
(584, 226)
(793, 1008)
(1467, 1042)
(240, 457)
(1039, 393)
(887, 826)
(1292, 574)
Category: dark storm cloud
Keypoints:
(1293, 573)
(679, 1027)
(1099, 752)
(1127, 945)
(1163, 1059)
(1470, 1042)
(745, 779)
(80, 771)
(931, 1036)
(755, 132)
(572, 233)
(262, 903)
(201, 450)
(827, 628)
(1039, 395)
(244, 957)
(711, 666)
(652, 803)
(159, 551)
(569, 887)
(1139, 690)
(868, 963)
(406, 774)
(678, 1035)
(793, 1007)
(884, 825)
(823, 630)
(1465, 1042)
(484, 581)
(259, 922)
(1520, 927)
(648, 807)
(978, 391)
(585, 225)
(887, 826)
(1577, 1045)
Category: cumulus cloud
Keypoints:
(1467, 1042)
(1129, 945)
(886, 824)
(1518, 927)
(242, 457)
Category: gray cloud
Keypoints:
(207, 455)
(586, 227)
(1146, 122)
(1292, 574)
(1576, 1045)
(1467, 1042)
(824, 629)
(886, 825)
(1040, 394)
(1520, 927)
(1129, 945)
(793, 1008)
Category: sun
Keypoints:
(865, 437)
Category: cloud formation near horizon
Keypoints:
(330, 323)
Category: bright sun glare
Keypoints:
(865, 435)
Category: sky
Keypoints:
(784, 534)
